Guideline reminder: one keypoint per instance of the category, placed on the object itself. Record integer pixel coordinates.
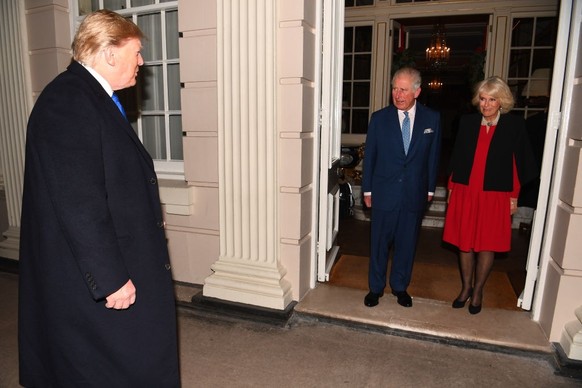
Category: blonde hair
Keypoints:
(498, 88)
(101, 29)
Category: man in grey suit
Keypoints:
(400, 174)
(96, 298)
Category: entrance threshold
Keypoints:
(494, 329)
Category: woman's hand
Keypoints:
(513, 205)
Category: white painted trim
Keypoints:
(552, 164)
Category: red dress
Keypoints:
(480, 220)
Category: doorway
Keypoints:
(448, 89)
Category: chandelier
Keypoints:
(437, 54)
(435, 84)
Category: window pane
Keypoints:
(139, 3)
(360, 120)
(151, 27)
(174, 87)
(363, 40)
(154, 136)
(114, 5)
(357, 67)
(361, 94)
(519, 63)
(176, 148)
(519, 92)
(347, 66)
(522, 32)
(543, 58)
(87, 6)
(362, 66)
(153, 88)
(546, 29)
(348, 39)
(172, 35)
(346, 121)
(347, 93)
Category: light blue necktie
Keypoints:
(118, 103)
(406, 132)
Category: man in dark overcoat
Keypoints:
(96, 298)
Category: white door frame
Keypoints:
(330, 16)
(567, 47)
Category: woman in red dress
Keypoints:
(490, 159)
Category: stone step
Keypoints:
(433, 219)
(437, 206)
(440, 192)
(435, 215)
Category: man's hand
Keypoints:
(368, 200)
(122, 298)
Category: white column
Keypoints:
(14, 108)
(248, 269)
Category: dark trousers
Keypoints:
(399, 229)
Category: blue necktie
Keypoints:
(118, 103)
(406, 132)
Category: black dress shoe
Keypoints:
(371, 299)
(403, 298)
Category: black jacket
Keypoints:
(509, 140)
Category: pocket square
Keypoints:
(428, 130)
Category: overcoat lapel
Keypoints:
(111, 109)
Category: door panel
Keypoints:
(330, 134)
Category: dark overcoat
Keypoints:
(91, 220)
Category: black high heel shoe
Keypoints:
(474, 309)
(459, 304)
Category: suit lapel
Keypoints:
(394, 129)
(418, 128)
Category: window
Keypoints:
(530, 62)
(358, 3)
(153, 106)
(356, 79)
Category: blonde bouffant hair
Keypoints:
(99, 30)
(498, 88)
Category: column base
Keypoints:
(566, 366)
(10, 247)
(250, 283)
(571, 340)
